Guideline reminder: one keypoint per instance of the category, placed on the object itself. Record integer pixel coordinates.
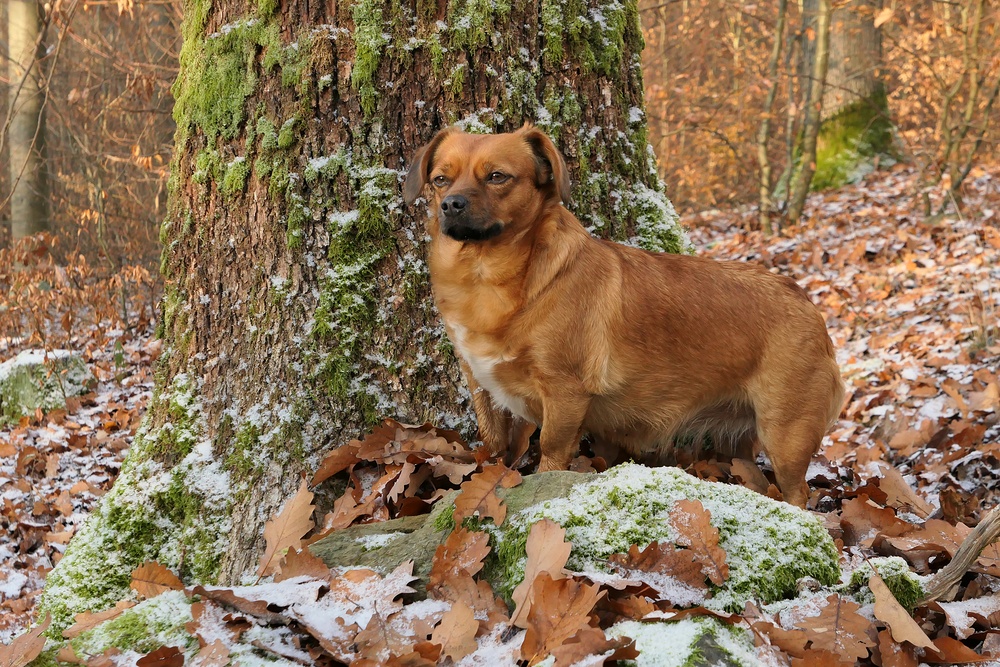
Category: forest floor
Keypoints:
(912, 308)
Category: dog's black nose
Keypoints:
(453, 205)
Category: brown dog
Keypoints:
(555, 327)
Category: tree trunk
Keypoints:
(297, 309)
(856, 126)
(29, 211)
(805, 167)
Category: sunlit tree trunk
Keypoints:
(806, 165)
(297, 311)
(29, 210)
(856, 126)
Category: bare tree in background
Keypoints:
(25, 131)
(801, 178)
(856, 128)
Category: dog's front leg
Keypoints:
(562, 428)
(494, 424)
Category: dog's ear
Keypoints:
(550, 167)
(420, 167)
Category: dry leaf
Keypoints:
(299, 562)
(547, 553)
(883, 16)
(951, 651)
(457, 632)
(889, 611)
(899, 493)
(839, 629)
(792, 642)
(151, 579)
(593, 642)
(961, 615)
(821, 658)
(692, 527)
(25, 647)
(86, 620)
(336, 461)
(674, 574)
(478, 495)
(562, 610)
(461, 554)
(215, 654)
(895, 654)
(287, 529)
(165, 656)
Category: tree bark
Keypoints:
(297, 309)
(29, 211)
(856, 125)
(802, 174)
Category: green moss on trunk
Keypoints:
(850, 141)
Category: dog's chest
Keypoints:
(485, 360)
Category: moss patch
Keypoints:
(176, 514)
(36, 379)
(769, 545)
(695, 642)
(904, 584)
(849, 141)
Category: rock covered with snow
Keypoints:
(769, 545)
(40, 379)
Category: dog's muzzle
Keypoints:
(458, 223)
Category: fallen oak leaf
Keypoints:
(793, 642)
(674, 574)
(889, 611)
(951, 651)
(822, 658)
(68, 654)
(165, 656)
(547, 553)
(839, 629)
(895, 654)
(287, 529)
(338, 460)
(301, 562)
(564, 611)
(962, 615)
(593, 642)
(87, 620)
(151, 579)
(457, 632)
(25, 647)
(478, 495)
(256, 608)
(462, 553)
(215, 654)
(692, 527)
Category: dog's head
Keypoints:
(484, 184)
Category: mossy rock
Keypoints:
(36, 379)
(905, 585)
(384, 546)
(769, 544)
(175, 513)
(701, 641)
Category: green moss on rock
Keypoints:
(175, 514)
(905, 585)
(769, 545)
(701, 641)
(36, 379)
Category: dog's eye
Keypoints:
(497, 177)
(440, 181)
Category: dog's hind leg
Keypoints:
(790, 442)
